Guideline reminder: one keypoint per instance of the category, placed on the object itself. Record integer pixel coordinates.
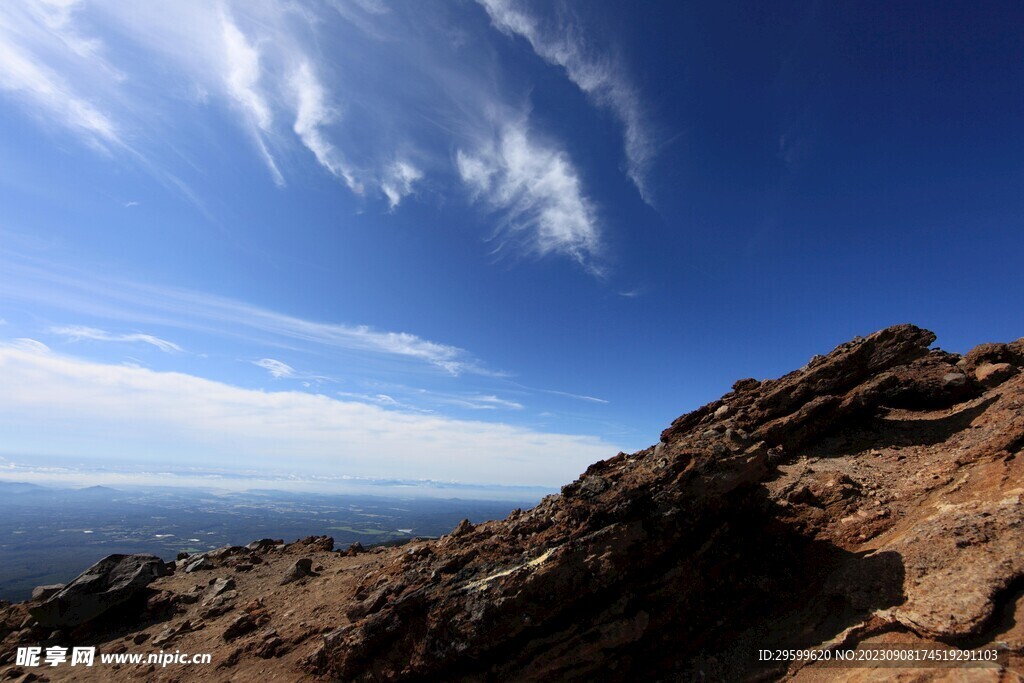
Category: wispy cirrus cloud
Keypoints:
(190, 310)
(276, 368)
(280, 370)
(580, 397)
(242, 79)
(80, 332)
(468, 400)
(40, 56)
(27, 344)
(401, 98)
(491, 402)
(595, 74)
(430, 401)
(398, 182)
(312, 113)
(537, 190)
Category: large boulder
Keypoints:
(41, 593)
(112, 581)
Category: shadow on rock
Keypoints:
(767, 587)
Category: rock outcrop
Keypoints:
(111, 582)
(874, 496)
(865, 490)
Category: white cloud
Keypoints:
(79, 332)
(538, 191)
(470, 401)
(178, 418)
(243, 75)
(242, 79)
(398, 182)
(597, 76)
(26, 344)
(581, 397)
(415, 399)
(490, 402)
(381, 400)
(24, 49)
(311, 114)
(276, 368)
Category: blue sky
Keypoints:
(487, 242)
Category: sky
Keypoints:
(485, 242)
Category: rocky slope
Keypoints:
(875, 495)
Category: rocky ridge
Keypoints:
(875, 495)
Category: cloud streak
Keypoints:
(79, 332)
(187, 309)
(242, 80)
(276, 368)
(31, 36)
(311, 115)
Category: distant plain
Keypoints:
(50, 535)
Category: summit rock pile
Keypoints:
(875, 495)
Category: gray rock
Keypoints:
(198, 564)
(219, 604)
(737, 435)
(40, 593)
(226, 551)
(110, 582)
(593, 484)
(301, 569)
(171, 633)
(954, 379)
(264, 544)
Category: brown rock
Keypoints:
(245, 623)
(994, 374)
(310, 543)
(464, 527)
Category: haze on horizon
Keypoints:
(488, 242)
